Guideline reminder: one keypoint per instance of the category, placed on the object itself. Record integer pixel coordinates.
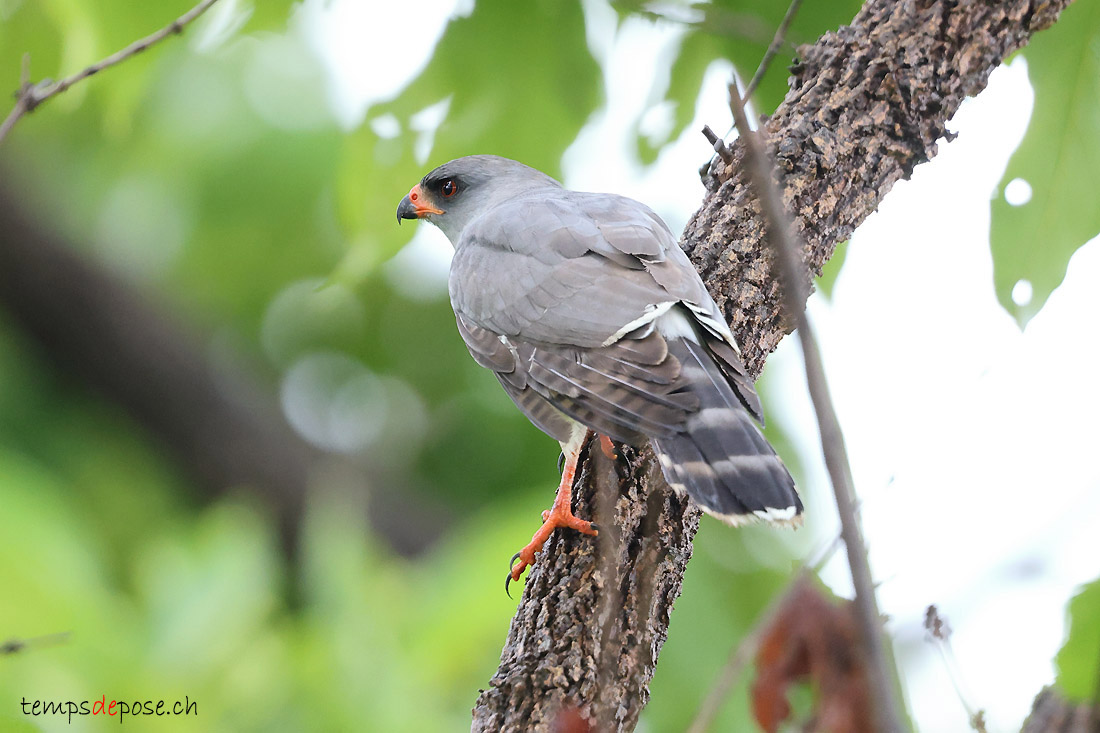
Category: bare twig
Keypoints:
(14, 646)
(30, 96)
(773, 48)
(22, 98)
(714, 20)
(719, 145)
(939, 633)
(793, 276)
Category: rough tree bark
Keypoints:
(1052, 713)
(867, 104)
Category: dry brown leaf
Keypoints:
(814, 639)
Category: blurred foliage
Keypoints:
(212, 174)
(733, 30)
(829, 273)
(1058, 159)
(499, 98)
(1077, 662)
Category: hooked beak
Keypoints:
(415, 206)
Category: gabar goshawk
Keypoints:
(593, 319)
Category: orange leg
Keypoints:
(608, 447)
(559, 515)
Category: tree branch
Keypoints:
(938, 632)
(868, 103)
(778, 40)
(31, 96)
(14, 646)
(1052, 713)
(792, 274)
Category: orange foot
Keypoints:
(559, 515)
(608, 447)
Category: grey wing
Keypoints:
(628, 390)
(585, 308)
(568, 268)
(576, 269)
(582, 270)
(652, 244)
(496, 354)
(671, 389)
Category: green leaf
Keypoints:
(1078, 661)
(1058, 158)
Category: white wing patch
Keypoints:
(651, 313)
(788, 517)
(676, 325)
(716, 326)
(508, 344)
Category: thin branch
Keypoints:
(714, 21)
(22, 98)
(939, 634)
(793, 278)
(719, 145)
(773, 48)
(14, 646)
(30, 96)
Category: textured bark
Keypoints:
(1052, 713)
(867, 104)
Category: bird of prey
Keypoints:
(593, 319)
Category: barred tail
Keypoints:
(721, 459)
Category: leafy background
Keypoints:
(217, 176)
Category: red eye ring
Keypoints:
(448, 188)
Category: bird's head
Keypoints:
(458, 192)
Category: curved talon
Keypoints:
(508, 579)
(561, 463)
(559, 515)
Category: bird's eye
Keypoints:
(448, 188)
